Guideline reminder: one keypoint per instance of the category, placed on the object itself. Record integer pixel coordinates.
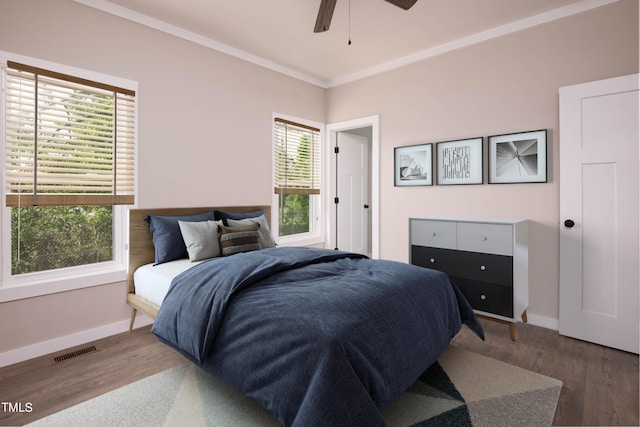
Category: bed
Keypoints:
(318, 337)
(142, 251)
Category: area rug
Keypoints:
(461, 389)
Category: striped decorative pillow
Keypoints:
(234, 240)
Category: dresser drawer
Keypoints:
(489, 268)
(435, 258)
(486, 238)
(439, 234)
(487, 297)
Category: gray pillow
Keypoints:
(265, 236)
(201, 239)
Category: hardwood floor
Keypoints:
(600, 384)
(52, 386)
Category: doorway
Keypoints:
(353, 196)
(351, 202)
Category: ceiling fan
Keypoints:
(325, 13)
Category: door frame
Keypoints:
(332, 130)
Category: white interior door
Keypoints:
(599, 204)
(353, 193)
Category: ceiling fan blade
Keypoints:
(325, 13)
(404, 4)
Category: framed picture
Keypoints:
(412, 165)
(459, 162)
(518, 157)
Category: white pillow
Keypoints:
(201, 239)
(265, 238)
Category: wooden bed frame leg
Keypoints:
(133, 318)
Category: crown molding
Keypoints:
(519, 25)
(512, 27)
(179, 32)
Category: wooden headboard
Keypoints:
(141, 249)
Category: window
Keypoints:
(297, 181)
(69, 145)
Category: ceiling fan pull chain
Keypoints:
(325, 13)
(349, 23)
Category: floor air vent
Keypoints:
(76, 353)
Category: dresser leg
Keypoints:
(512, 329)
(512, 326)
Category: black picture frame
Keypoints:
(460, 162)
(413, 165)
(518, 157)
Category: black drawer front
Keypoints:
(487, 268)
(487, 297)
(436, 258)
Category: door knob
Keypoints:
(569, 223)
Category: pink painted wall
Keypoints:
(205, 126)
(204, 139)
(509, 84)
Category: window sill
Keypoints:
(62, 283)
(308, 241)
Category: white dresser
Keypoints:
(488, 259)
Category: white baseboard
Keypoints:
(542, 321)
(58, 344)
(61, 343)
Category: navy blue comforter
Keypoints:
(318, 337)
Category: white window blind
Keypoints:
(297, 158)
(69, 141)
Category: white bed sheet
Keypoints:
(152, 281)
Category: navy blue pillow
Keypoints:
(167, 238)
(224, 216)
